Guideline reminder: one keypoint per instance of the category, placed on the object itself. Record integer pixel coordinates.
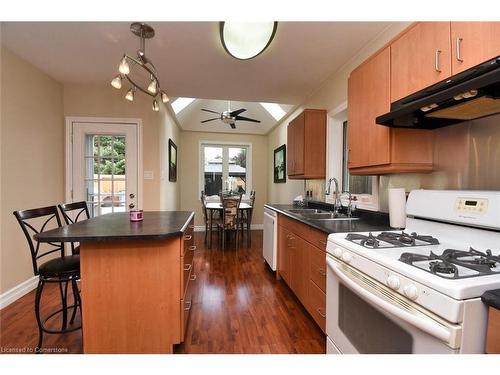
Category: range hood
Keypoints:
(469, 95)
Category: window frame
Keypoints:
(225, 165)
(337, 165)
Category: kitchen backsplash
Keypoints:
(317, 187)
(466, 156)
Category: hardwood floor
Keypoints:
(238, 307)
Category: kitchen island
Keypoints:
(135, 279)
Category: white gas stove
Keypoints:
(429, 276)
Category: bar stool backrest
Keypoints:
(37, 221)
(82, 211)
(79, 212)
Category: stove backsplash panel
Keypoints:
(466, 157)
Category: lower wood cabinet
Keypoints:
(188, 277)
(493, 336)
(302, 265)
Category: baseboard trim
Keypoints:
(18, 291)
(201, 228)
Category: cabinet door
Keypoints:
(299, 267)
(314, 153)
(284, 254)
(296, 139)
(420, 58)
(290, 144)
(473, 43)
(369, 97)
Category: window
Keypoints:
(105, 173)
(220, 161)
(365, 188)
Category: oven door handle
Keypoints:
(451, 334)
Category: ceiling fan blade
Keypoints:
(210, 119)
(233, 126)
(237, 112)
(241, 118)
(209, 110)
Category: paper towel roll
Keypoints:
(397, 208)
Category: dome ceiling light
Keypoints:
(246, 40)
(140, 71)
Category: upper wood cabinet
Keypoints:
(473, 43)
(377, 149)
(306, 140)
(420, 57)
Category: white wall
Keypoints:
(32, 157)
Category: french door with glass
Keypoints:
(104, 166)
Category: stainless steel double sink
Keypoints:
(317, 214)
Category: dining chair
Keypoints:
(72, 213)
(230, 217)
(62, 269)
(209, 227)
(246, 218)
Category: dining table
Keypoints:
(217, 207)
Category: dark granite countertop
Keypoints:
(368, 222)
(157, 225)
(492, 298)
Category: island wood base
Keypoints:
(131, 295)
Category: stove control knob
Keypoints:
(411, 292)
(337, 252)
(393, 282)
(346, 257)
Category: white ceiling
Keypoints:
(190, 118)
(190, 58)
(191, 62)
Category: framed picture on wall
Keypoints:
(280, 164)
(172, 161)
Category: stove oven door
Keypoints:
(364, 316)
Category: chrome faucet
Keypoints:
(336, 203)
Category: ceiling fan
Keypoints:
(229, 117)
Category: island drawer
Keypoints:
(186, 303)
(188, 238)
(187, 266)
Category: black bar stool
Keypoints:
(79, 212)
(63, 269)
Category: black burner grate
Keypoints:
(446, 263)
(391, 239)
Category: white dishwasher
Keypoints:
(270, 240)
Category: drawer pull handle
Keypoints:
(192, 248)
(188, 237)
(459, 52)
(187, 306)
(437, 65)
(192, 278)
(191, 226)
(320, 313)
(322, 272)
(187, 267)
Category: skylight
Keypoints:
(180, 103)
(274, 109)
